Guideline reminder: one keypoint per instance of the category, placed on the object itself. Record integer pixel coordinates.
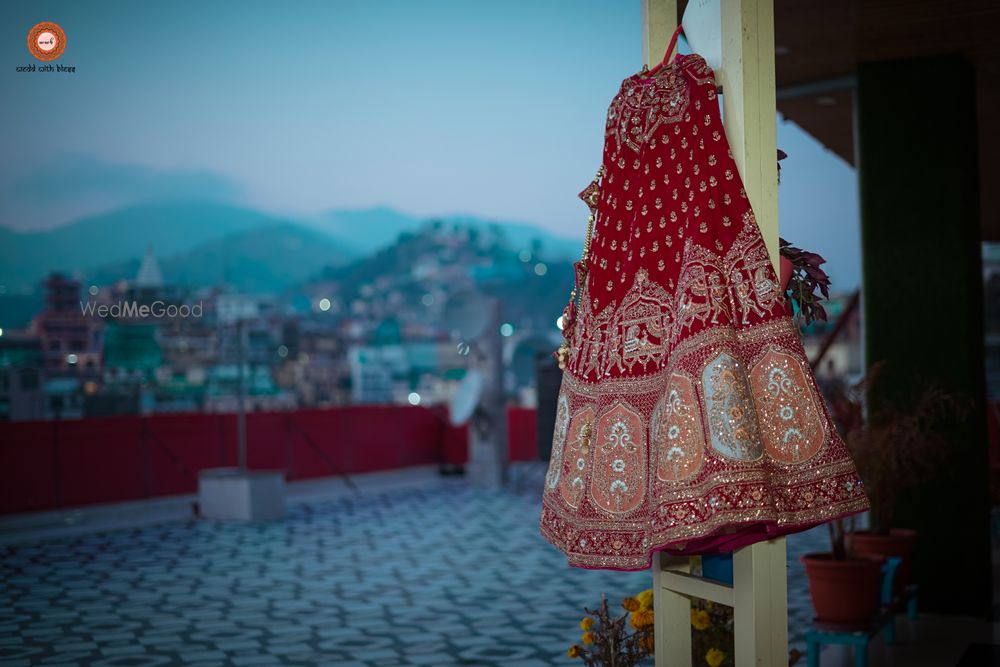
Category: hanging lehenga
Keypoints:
(688, 417)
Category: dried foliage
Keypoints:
(618, 641)
(896, 447)
(608, 642)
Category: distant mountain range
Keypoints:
(368, 230)
(265, 259)
(119, 236)
(203, 242)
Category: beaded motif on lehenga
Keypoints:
(687, 406)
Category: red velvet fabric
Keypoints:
(688, 416)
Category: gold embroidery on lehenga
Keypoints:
(676, 433)
(732, 423)
(642, 324)
(790, 420)
(558, 439)
(697, 357)
(618, 483)
(575, 456)
(639, 109)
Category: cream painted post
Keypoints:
(673, 610)
(659, 18)
(759, 595)
(749, 114)
(760, 609)
(749, 106)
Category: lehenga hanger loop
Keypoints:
(670, 49)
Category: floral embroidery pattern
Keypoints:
(676, 431)
(732, 423)
(558, 439)
(790, 422)
(619, 481)
(637, 112)
(576, 455)
(691, 405)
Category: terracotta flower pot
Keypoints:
(844, 592)
(899, 542)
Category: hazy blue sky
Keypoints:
(488, 108)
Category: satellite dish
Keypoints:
(466, 314)
(466, 398)
(703, 30)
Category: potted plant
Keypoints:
(897, 446)
(844, 591)
(844, 587)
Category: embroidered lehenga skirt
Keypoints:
(688, 417)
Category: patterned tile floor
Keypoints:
(433, 574)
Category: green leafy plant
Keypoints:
(807, 282)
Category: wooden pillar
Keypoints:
(760, 609)
(749, 106)
(760, 591)
(659, 18)
(750, 117)
(922, 296)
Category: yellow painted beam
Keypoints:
(760, 591)
(749, 106)
(659, 18)
(672, 624)
(698, 587)
(760, 612)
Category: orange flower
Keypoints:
(641, 619)
(700, 619)
(588, 637)
(646, 643)
(630, 604)
(587, 623)
(714, 657)
(574, 651)
(645, 599)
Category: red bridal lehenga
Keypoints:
(688, 417)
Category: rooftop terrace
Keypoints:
(410, 569)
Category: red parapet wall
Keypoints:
(522, 434)
(48, 465)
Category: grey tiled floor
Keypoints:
(439, 574)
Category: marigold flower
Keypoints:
(700, 619)
(587, 623)
(645, 599)
(714, 657)
(646, 643)
(574, 651)
(588, 637)
(630, 604)
(641, 619)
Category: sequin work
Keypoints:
(688, 417)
